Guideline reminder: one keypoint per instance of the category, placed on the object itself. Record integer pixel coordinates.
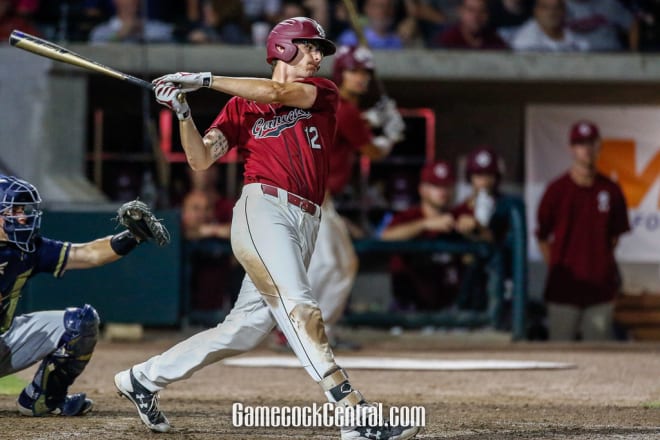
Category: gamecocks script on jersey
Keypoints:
(264, 128)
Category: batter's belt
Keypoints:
(305, 205)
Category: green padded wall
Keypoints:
(143, 287)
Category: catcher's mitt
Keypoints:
(138, 218)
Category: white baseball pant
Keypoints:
(334, 264)
(273, 240)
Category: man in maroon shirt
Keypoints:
(284, 128)
(580, 218)
(425, 282)
(472, 30)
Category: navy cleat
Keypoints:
(144, 400)
(73, 405)
(383, 432)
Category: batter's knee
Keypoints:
(308, 317)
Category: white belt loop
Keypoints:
(283, 196)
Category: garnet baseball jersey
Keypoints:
(286, 147)
(581, 223)
(352, 133)
(16, 267)
(427, 281)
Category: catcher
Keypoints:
(63, 340)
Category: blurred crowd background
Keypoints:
(584, 25)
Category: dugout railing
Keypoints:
(507, 261)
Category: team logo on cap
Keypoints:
(584, 129)
(320, 31)
(483, 159)
(440, 171)
(362, 54)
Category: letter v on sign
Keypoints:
(617, 160)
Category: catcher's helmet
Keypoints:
(19, 208)
(287, 32)
(351, 58)
(483, 160)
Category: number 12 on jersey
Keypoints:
(312, 134)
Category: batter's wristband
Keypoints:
(123, 243)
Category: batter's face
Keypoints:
(439, 197)
(356, 82)
(308, 59)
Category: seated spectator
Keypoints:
(606, 24)
(265, 11)
(420, 281)
(506, 16)
(433, 15)
(547, 31)
(379, 29)
(222, 21)
(472, 30)
(317, 9)
(10, 19)
(127, 26)
(648, 13)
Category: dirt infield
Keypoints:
(609, 395)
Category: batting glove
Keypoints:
(188, 82)
(174, 98)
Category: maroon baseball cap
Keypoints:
(584, 132)
(438, 173)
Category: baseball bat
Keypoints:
(51, 50)
(354, 18)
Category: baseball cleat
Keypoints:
(144, 400)
(383, 432)
(73, 405)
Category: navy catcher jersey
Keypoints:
(16, 267)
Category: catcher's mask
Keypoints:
(19, 208)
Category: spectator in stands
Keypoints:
(606, 24)
(547, 31)
(506, 16)
(222, 21)
(581, 216)
(10, 19)
(266, 11)
(432, 16)
(472, 30)
(483, 215)
(206, 215)
(379, 29)
(420, 281)
(648, 13)
(127, 26)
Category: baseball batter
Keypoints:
(334, 262)
(63, 340)
(284, 128)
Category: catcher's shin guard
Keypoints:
(48, 390)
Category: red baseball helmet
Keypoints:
(287, 32)
(483, 160)
(351, 58)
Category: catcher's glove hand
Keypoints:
(140, 221)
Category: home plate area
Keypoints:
(380, 363)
